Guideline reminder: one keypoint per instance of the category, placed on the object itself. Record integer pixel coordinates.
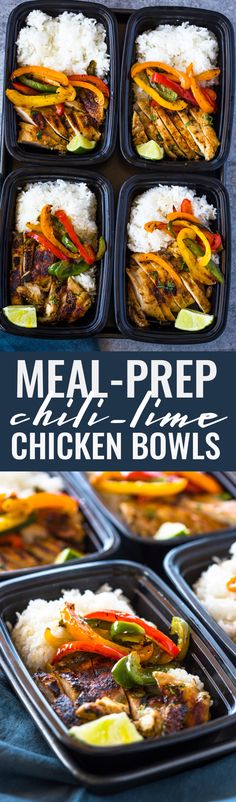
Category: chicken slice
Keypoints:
(32, 135)
(183, 130)
(144, 293)
(138, 133)
(180, 142)
(196, 132)
(55, 121)
(33, 294)
(213, 142)
(197, 293)
(16, 267)
(74, 302)
(135, 312)
(166, 138)
(79, 122)
(52, 302)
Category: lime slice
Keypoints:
(79, 144)
(170, 529)
(111, 730)
(150, 150)
(187, 320)
(21, 316)
(67, 554)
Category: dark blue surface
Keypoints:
(29, 771)
(11, 342)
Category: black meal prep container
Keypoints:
(147, 19)
(101, 539)
(134, 547)
(100, 769)
(29, 154)
(167, 333)
(96, 317)
(185, 565)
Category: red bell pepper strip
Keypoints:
(91, 79)
(46, 244)
(155, 634)
(25, 90)
(160, 78)
(60, 109)
(186, 206)
(87, 646)
(86, 251)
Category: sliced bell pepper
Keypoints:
(128, 672)
(46, 244)
(53, 501)
(175, 105)
(85, 638)
(211, 267)
(182, 216)
(140, 66)
(60, 109)
(205, 258)
(86, 251)
(87, 646)
(92, 79)
(231, 584)
(200, 98)
(154, 257)
(180, 628)
(160, 78)
(24, 89)
(208, 75)
(54, 640)
(206, 482)
(187, 255)
(126, 631)
(139, 488)
(45, 73)
(151, 631)
(153, 224)
(46, 225)
(35, 101)
(186, 206)
(37, 85)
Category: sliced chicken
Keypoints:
(203, 120)
(74, 302)
(16, 267)
(135, 311)
(31, 135)
(138, 132)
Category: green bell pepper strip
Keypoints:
(211, 266)
(124, 631)
(68, 244)
(180, 628)
(101, 248)
(48, 90)
(164, 91)
(63, 270)
(128, 672)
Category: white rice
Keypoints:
(155, 204)
(66, 43)
(28, 633)
(179, 46)
(211, 590)
(28, 482)
(180, 675)
(77, 200)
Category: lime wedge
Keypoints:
(170, 529)
(79, 144)
(150, 150)
(187, 320)
(67, 554)
(111, 730)
(21, 316)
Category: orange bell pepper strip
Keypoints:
(207, 75)
(150, 630)
(46, 226)
(92, 79)
(182, 77)
(45, 73)
(200, 98)
(59, 502)
(182, 216)
(122, 486)
(154, 257)
(84, 638)
(175, 105)
(86, 251)
(35, 234)
(203, 480)
(186, 206)
(231, 584)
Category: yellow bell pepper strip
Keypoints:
(140, 488)
(200, 98)
(54, 640)
(175, 105)
(45, 73)
(35, 101)
(180, 628)
(154, 257)
(59, 502)
(70, 93)
(203, 260)
(140, 66)
(46, 226)
(92, 88)
(192, 233)
(231, 584)
(208, 75)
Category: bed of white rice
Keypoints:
(179, 46)
(211, 590)
(155, 204)
(28, 633)
(27, 482)
(66, 43)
